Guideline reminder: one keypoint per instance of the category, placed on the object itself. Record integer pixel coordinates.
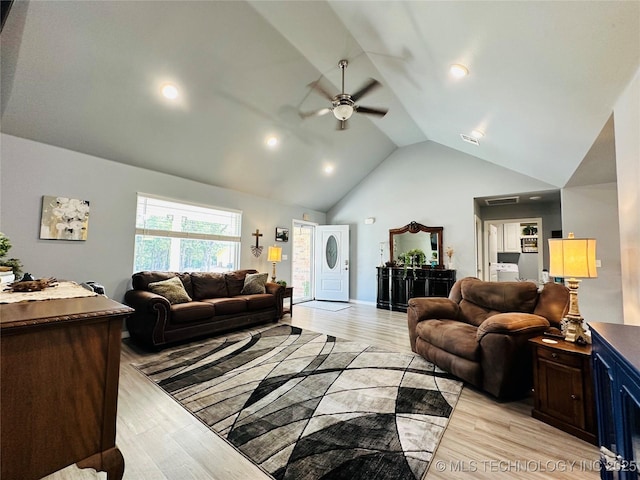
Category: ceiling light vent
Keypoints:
(492, 202)
(469, 139)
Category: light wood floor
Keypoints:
(484, 439)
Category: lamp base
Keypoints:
(574, 330)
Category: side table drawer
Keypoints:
(560, 357)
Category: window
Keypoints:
(177, 236)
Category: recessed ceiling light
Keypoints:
(328, 169)
(535, 197)
(272, 141)
(458, 70)
(477, 134)
(170, 91)
(470, 139)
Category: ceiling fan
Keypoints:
(343, 105)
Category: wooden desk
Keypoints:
(60, 362)
(288, 293)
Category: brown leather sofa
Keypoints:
(480, 332)
(216, 305)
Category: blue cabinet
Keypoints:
(616, 371)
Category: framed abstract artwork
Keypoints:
(64, 218)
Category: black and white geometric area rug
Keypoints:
(308, 406)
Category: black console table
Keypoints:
(397, 285)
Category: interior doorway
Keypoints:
(302, 260)
(513, 249)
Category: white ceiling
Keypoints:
(543, 79)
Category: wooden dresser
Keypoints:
(60, 362)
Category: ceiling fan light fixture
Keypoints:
(458, 71)
(343, 112)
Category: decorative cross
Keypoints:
(257, 250)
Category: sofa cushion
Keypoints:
(455, 337)
(553, 303)
(474, 314)
(235, 281)
(209, 285)
(172, 289)
(228, 306)
(254, 283)
(259, 301)
(141, 280)
(191, 312)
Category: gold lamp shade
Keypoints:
(573, 258)
(274, 255)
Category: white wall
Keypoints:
(30, 170)
(427, 183)
(592, 212)
(626, 117)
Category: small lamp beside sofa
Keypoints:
(480, 332)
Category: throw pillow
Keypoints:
(172, 289)
(254, 283)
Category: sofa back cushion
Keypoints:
(141, 280)
(235, 281)
(172, 289)
(481, 300)
(553, 303)
(209, 285)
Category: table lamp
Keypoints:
(573, 257)
(274, 255)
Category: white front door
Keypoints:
(332, 263)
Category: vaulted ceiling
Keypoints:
(543, 79)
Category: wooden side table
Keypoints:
(60, 370)
(563, 387)
(288, 293)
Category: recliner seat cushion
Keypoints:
(451, 336)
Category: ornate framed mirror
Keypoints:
(415, 236)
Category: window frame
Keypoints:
(183, 206)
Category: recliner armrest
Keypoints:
(513, 323)
(426, 308)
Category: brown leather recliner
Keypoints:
(480, 332)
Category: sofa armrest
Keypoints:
(513, 323)
(427, 308)
(142, 300)
(277, 290)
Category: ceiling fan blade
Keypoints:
(342, 125)
(381, 112)
(317, 113)
(366, 88)
(321, 90)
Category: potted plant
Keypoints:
(8, 264)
